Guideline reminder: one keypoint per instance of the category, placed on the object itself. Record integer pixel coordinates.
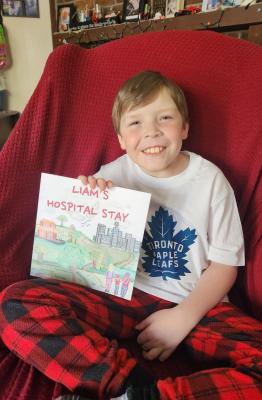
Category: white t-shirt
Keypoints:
(193, 219)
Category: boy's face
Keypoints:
(152, 136)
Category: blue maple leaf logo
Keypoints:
(165, 250)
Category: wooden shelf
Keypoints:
(242, 22)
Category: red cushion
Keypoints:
(66, 129)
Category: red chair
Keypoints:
(66, 129)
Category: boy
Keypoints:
(192, 245)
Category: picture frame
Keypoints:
(20, 8)
(13, 8)
(211, 5)
(132, 10)
(64, 17)
(172, 7)
(31, 8)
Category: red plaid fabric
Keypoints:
(69, 333)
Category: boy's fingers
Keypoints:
(83, 179)
(143, 337)
(101, 183)
(150, 344)
(92, 181)
(165, 355)
(152, 354)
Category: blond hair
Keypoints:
(141, 89)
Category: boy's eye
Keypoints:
(164, 117)
(132, 123)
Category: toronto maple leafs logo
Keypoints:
(165, 250)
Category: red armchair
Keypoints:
(66, 129)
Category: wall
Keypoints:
(30, 43)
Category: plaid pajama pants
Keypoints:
(69, 333)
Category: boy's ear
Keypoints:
(186, 129)
(121, 141)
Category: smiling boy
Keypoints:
(192, 208)
(192, 246)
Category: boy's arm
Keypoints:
(163, 330)
(211, 288)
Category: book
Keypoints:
(88, 236)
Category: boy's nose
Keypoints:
(153, 134)
(152, 130)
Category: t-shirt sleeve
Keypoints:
(225, 235)
(103, 173)
(111, 172)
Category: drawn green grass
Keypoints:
(78, 259)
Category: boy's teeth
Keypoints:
(153, 150)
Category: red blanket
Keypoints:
(66, 129)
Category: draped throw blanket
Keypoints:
(66, 129)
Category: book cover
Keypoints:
(88, 236)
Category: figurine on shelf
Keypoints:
(64, 19)
(98, 10)
(94, 16)
(157, 15)
(82, 12)
(111, 13)
(193, 9)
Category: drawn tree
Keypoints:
(75, 236)
(62, 219)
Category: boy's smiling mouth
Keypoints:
(153, 150)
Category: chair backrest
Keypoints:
(66, 129)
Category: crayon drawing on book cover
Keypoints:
(88, 236)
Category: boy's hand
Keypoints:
(93, 182)
(162, 332)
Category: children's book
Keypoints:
(88, 236)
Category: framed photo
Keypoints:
(20, 8)
(132, 9)
(13, 8)
(64, 15)
(173, 6)
(31, 8)
(210, 5)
